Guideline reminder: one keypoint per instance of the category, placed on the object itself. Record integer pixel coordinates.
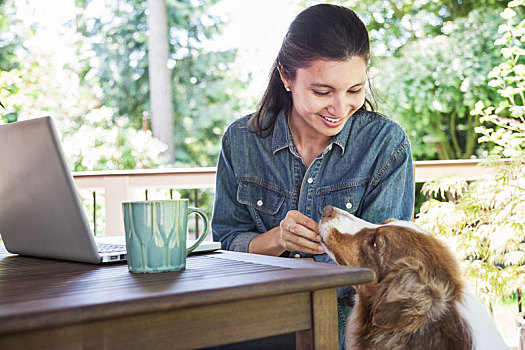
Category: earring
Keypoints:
(287, 89)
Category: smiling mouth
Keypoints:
(331, 120)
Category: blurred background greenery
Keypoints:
(89, 70)
(429, 68)
(97, 87)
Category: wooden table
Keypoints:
(220, 298)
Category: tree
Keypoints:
(485, 220)
(393, 23)
(9, 38)
(46, 82)
(159, 78)
(203, 86)
(9, 42)
(432, 84)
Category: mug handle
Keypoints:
(204, 233)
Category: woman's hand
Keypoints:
(296, 232)
(299, 233)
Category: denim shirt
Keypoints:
(365, 170)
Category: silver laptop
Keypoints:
(40, 211)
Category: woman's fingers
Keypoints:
(302, 220)
(301, 244)
(299, 233)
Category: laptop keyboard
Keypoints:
(105, 248)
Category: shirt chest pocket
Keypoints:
(265, 203)
(346, 198)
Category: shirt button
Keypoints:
(259, 202)
(310, 180)
(297, 256)
(348, 205)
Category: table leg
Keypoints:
(324, 333)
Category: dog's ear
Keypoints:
(408, 299)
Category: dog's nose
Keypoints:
(328, 211)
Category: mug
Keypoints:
(156, 234)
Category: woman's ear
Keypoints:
(287, 84)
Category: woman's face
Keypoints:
(326, 94)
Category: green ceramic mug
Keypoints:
(156, 234)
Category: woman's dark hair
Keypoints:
(319, 32)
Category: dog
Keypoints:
(417, 300)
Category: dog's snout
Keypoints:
(328, 211)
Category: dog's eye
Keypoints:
(372, 241)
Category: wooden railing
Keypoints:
(119, 186)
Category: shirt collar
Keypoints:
(282, 136)
(341, 139)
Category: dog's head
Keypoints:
(416, 275)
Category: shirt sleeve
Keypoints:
(323, 258)
(391, 190)
(231, 223)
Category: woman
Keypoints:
(313, 141)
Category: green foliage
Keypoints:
(205, 102)
(203, 87)
(484, 221)
(432, 58)
(393, 23)
(433, 83)
(504, 125)
(109, 77)
(9, 42)
(35, 89)
(9, 38)
(102, 144)
(8, 87)
(485, 226)
(92, 138)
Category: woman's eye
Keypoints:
(320, 93)
(354, 91)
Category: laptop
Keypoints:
(41, 213)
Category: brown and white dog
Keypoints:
(417, 300)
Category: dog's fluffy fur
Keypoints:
(417, 298)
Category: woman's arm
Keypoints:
(391, 190)
(231, 223)
(234, 226)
